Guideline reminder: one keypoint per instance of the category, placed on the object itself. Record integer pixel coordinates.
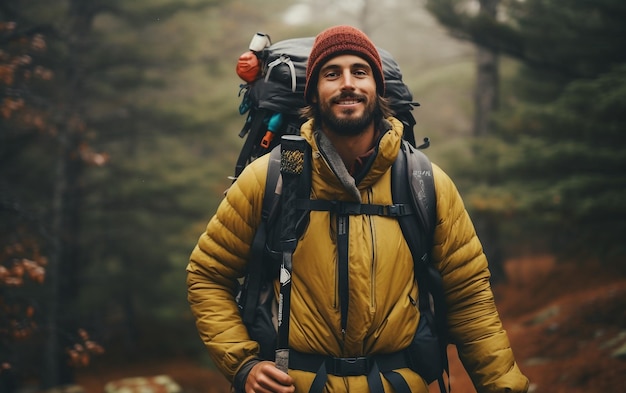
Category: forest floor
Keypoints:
(566, 323)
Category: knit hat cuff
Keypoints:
(340, 40)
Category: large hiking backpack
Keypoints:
(272, 101)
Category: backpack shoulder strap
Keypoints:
(418, 176)
(256, 270)
(412, 182)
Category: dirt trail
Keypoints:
(566, 323)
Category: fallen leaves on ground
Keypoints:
(566, 323)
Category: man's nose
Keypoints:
(347, 80)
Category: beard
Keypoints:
(347, 126)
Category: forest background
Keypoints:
(119, 126)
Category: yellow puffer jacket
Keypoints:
(382, 316)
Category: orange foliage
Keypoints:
(81, 352)
(21, 262)
(17, 68)
(17, 318)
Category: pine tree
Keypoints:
(72, 162)
(555, 163)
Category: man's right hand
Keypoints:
(264, 377)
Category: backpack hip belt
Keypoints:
(350, 366)
(370, 366)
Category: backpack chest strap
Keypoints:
(342, 210)
(355, 208)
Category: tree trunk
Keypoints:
(487, 76)
(51, 364)
(64, 271)
(485, 103)
(486, 91)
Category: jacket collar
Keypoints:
(332, 171)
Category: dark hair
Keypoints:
(383, 110)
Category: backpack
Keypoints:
(273, 100)
(273, 96)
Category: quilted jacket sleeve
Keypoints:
(217, 261)
(473, 321)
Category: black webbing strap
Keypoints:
(256, 132)
(343, 222)
(370, 366)
(343, 210)
(373, 380)
(397, 381)
(256, 269)
(412, 180)
(321, 375)
(295, 161)
(355, 208)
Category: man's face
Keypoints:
(346, 95)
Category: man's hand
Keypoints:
(265, 377)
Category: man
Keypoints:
(354, 142)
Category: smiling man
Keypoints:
(343, 325)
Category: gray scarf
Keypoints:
(337, 165)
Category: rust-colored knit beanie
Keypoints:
(341, 40)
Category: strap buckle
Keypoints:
(349, 366)
(397, 210)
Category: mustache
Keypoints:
(349, 96)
